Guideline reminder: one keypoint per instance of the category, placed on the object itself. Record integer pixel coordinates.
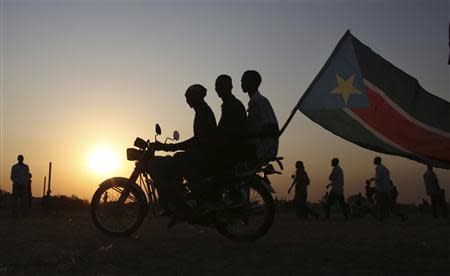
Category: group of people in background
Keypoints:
(380, 201)
(21, 189)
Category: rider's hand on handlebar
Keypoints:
(163, 147)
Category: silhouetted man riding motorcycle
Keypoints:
(232, 127)
(213, 150)
(262, 124)
(197, 152)
(219, 191)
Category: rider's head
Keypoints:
(429, 167)
(20, 158)
(377, 160)
(223, 85)
(250, 81)
(334, 162)
(195, 95)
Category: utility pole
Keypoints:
(49, 178)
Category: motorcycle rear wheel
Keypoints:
(113, 217)
(254, 218)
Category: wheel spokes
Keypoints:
(114, 214)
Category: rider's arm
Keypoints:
(186, 144)
(176, 146)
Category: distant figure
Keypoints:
(20, 175)
(337, 189)
(301, 182)
(424, 205)
(262, 122)
(358, 206)
(231, 129)
(437, 195)
(29, 193)
(382, 188)
(393, 206)
(370, 192)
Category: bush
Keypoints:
(4, 195)
(65, 203)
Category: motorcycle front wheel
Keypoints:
(118, 207)
(253, 218)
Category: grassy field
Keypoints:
(68, 243)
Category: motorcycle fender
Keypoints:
(266, 183)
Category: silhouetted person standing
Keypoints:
(382, 188)
(393, 206)
(262, 123)
(370, 191)
(231, 129)
(301, 182)
(337, 189)
(20, 175)
(435, 192)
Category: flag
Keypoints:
(366, 100)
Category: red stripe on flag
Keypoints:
(389, 122)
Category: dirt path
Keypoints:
(70, 244)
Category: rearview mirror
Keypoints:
(176, 135)
(158, 129)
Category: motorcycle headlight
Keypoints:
(134, 154)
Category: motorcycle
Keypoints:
(246, 212)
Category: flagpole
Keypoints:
(288, 120)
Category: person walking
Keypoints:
(337, 189)
(436, 194)
(20, 176)
(382, 188)
(394, 207)
(301, 182)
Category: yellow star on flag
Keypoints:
(345, 88)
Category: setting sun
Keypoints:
(103, 160)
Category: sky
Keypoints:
(77, 76)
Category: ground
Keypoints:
(67, 242)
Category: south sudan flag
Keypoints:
(366, 100)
